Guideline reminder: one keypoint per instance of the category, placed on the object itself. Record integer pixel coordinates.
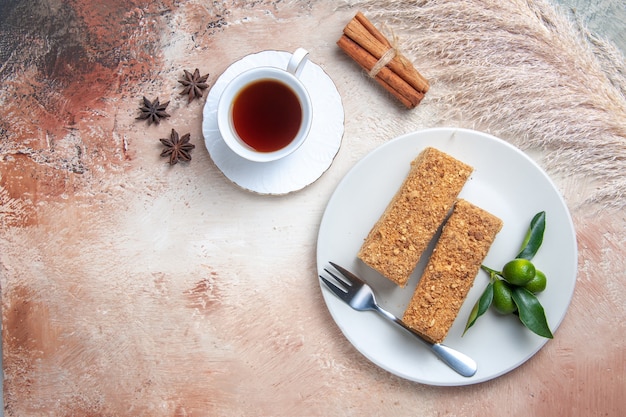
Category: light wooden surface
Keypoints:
(133, 288)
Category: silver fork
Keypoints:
(358, 295)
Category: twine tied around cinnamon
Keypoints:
(387, 57)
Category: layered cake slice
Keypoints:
(465, 240)
(396, 242)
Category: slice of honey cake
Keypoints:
(396, 242)
(465, 240)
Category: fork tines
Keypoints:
(341, 283)
(340, 286)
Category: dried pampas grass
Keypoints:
(522, 71)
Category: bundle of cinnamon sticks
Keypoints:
(370, 48)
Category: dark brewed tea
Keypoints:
(267, 115)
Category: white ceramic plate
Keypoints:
(306, 164)
(505, 182)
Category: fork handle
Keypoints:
(456, 360)
(459, 362)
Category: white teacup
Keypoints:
(265, 113)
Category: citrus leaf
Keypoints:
(492, 272)
(531, 313)
(480, 307)
(534, 236)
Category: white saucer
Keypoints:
(302, 167)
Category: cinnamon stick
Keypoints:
(371, 39)
(360, 17)
(366, 45)
(386, 78)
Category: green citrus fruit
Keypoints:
(518, 271)
(538, 283)
(502, 298)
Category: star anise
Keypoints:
(194, 84)
(153, 111)
(177, 148)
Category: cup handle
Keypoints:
(297, 61)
